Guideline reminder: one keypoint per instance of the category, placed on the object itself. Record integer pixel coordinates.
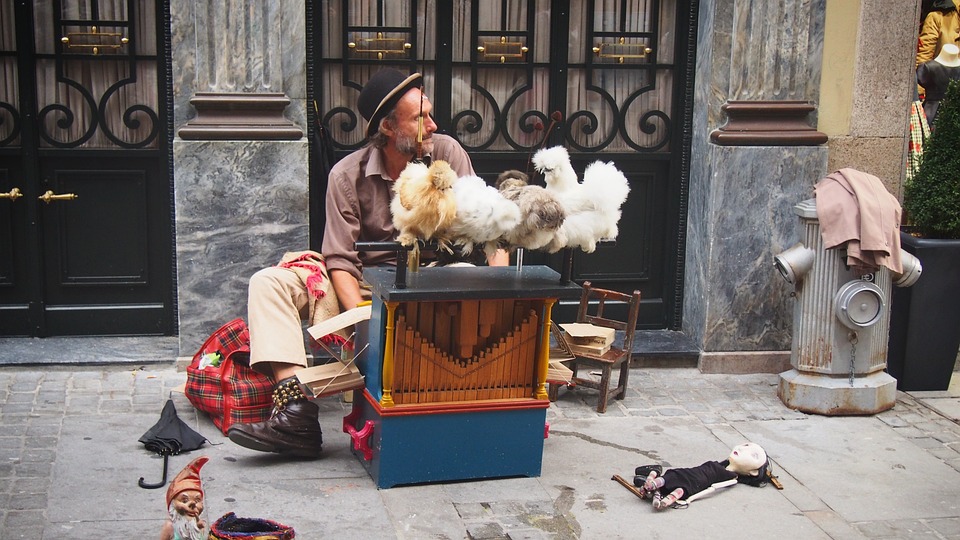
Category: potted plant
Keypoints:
(925, 318)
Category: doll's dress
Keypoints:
(693, 480)
(934, 78)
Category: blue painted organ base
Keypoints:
(450, 443)
(454, 369)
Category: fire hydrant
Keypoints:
(841, 320)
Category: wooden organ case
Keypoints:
(454, 365)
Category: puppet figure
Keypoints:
(747, 464)
(185, 505)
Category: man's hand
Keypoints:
(500, 258)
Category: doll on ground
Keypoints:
(746, 464)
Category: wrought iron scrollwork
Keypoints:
(132, 117)
(472, 121)
(652, 122)
(9, 113)
(67, 118)
(129, 118)
(98, 116)
(349, 121)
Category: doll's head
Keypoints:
(747, 459)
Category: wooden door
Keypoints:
(87, 248)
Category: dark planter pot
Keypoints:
(925, 318)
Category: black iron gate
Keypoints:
(85, 213)
(609, 80)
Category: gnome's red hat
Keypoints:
(187, 479)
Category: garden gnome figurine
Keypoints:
(185, 505)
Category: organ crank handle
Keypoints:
(13, 194)
(51, 196)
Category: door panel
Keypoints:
(602, 78)
(14, 253)
(101, 274)
(90, 241)
(88, 231)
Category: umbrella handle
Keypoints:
(162, 482)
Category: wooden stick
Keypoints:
(630, 487)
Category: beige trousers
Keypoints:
(277, 303)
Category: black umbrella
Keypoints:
(170, 435)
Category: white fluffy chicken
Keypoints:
(423, 204)
(541, 214)
(483, 215)
(592, 207)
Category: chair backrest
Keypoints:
(593, 303)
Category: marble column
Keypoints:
(736, 307)
(241, 195)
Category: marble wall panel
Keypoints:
(776, 49)
(735, 300)
(239, 206)
(239, 46)
(752, 308)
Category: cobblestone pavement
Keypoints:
(666, 404)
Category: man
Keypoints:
(359, 191)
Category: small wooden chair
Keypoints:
(593, 301)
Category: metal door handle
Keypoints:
(13, 194)
(51, 196)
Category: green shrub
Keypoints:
(932, 198)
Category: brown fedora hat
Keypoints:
(381, 94)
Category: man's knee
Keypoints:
(274, 286)
(266, 281)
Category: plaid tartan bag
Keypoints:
(230, 392)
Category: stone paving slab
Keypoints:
(860, 469)
(947, 406)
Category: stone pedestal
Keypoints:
(740, 215)
(239, 206)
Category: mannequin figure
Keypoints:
(935, 75)
(746, 464)
(940, 26)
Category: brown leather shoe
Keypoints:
(292, 428)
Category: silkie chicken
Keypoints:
(423, 204)
(592, 207)
(541, 214)
(483, 215)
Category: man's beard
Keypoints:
(408, 145)
(187, 527)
